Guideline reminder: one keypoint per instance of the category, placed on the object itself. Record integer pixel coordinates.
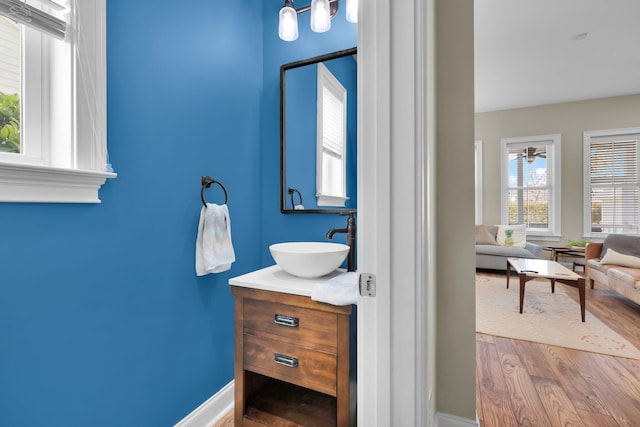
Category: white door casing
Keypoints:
(396, 358)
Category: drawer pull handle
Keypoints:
(289, 361)
(283, 320)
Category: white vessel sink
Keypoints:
(309, 259)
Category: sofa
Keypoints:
(615, 264)
(496, 243)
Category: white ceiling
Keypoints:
(526, 53)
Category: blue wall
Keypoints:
(301, 94)
(343, 35)
(103, 321)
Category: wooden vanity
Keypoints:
(292, 353)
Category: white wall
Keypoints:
(455, 254)
(568, 119)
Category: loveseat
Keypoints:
(494, 245)
(615, 264)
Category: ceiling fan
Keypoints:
(530, 153)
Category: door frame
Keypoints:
(396, 329)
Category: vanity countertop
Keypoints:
(277, 280)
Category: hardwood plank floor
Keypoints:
(227, 421)
(521, 383)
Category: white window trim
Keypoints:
(478, 174)
(586, 183)
(326, 78)
(80, 183)
(555, 214)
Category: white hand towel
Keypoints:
(340, 290)
(214, 249)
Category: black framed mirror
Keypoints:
(318, 134)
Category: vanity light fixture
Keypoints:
(321, 16)
(321, 13)
(288, 23)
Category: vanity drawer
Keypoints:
(288, 362)
(292, 324)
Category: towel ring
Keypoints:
(206, 183)
(291, 191)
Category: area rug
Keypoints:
(547, 318)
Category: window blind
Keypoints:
(10, 65)
(33, 17)
(331, 139)
(614, 184)
(333, 112)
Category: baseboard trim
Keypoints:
(211, 411)
(447, 420)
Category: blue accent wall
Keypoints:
(343, 35)
(301, 128)
(103, 321)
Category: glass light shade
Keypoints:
(320, 16)
(352, 11)
(288, 25)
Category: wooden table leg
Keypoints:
(581, 291)
(522, 282)
(581, 285)
(508, 273)
(553, 286)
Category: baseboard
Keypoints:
(447, 420)
(211, 411)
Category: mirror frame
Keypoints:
(283, 144)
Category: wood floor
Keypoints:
(520, 383)
(227, 421)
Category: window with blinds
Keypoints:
(331, 140)
(612, 183)
(531, 183)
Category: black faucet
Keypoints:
(350, 230)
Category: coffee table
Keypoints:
(529, 269)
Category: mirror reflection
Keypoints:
(318, 134)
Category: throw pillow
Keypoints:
(616, 258)
(486, 234)
(512, 235)
(622, 243)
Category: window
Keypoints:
(60, 152)
(612, 184)
(531, 184)
(10, 70)
(331, 172)
(478, 180)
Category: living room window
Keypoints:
(611, 182)
(530, 185)
(54, 149)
